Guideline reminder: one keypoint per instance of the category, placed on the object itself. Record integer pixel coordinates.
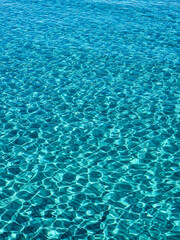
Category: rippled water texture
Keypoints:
(89, 116)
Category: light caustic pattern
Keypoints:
(89, 106)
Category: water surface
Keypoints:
(89, 119)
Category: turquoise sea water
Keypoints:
(89, 119)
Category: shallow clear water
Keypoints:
(89, 119)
